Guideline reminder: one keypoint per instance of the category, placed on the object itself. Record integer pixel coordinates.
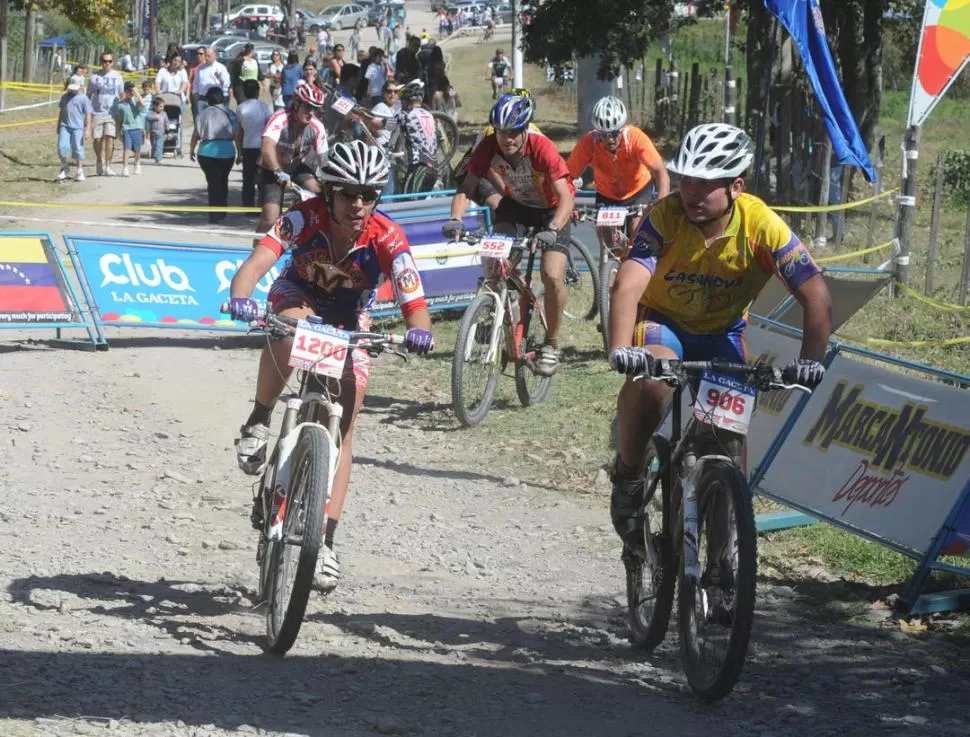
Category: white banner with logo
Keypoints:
(880, 451)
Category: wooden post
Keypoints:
(784, 152)
(658, 95)
(693, 111)
(673, 87)
(935, 224)
(965, 276)
(841, 215)
(825, 167)
(907, 202)
(683, 105)
(730, 96)
(873, 211)
(737, 115)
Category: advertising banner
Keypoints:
(33, 289)
(879, 451)
(944, 49)
(155, 284)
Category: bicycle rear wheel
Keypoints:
(530, 386)
(420, 179)
(607, 277)
(446, 137)
(474, 379)
(650, 588)
(717, 611)
(582, 282)
(294, 558)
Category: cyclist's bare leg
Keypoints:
(351, 398)
(553, 275)
(640, 409)
(271, 211)
(273, 368)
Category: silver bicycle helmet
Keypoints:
(609, 114)
(355, 164)
(713, 151)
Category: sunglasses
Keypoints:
(611, 135)
(367, 196)
(107, 61)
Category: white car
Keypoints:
(343, 16)
(257, 11)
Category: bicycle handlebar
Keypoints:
(283, 326)
(763, 375)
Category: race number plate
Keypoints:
(320, 348)
(496, 246)
(724, 402)
(611, 216)
(343, 105)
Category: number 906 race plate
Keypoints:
(725, 402)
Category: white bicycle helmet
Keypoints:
(355, 164)
(413, 90)
(713, 151)
(609, 114)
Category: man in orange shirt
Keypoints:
(627, 168)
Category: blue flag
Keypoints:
(803, 20)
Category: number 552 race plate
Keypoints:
(725, 402)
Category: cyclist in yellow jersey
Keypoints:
(683, 291)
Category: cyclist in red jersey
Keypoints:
(537, 192)
(341, 249)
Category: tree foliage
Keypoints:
(101, 17)
(619, 30)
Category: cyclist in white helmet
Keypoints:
(697, 262)
(627, 168)
(340, 249)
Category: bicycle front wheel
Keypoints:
(717, 611)
(582, 282)
(295, 556)
(446, 137)
(474, 374)
(530, 386)
(607, 277)
(420, 179)
(650, 584)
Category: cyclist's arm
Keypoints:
(463, 196)
(254, 268)
(580, 157)
(564, 210)
(420, 318)
(653, 161)
(631, 282)
(270, 160)
(813, 295)
(660, 178)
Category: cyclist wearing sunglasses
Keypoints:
(536, 190)
(627, 168)
(340, 248)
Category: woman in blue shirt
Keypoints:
(292, 73)
(215, 133)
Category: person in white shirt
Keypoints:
(323, 41)
(173, 79)
(127, 65)
(253, 116)
(209, 74)
(375, 75)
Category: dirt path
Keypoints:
(470, 605)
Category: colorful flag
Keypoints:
(803, 20)
(944, 48)
(28, 282)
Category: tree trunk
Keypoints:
(201, 18)
(874, 11)
(30, 20)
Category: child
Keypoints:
(147, 95)
(128, 113)
(73, 127)
(157, 121)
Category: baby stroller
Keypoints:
(173, 128)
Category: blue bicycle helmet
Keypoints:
(512, 113)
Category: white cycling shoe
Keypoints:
(251, 448)
(327, 575)
(547, 361)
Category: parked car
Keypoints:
(262, 53)
(311, 21)
(257, 12)
(343, 16)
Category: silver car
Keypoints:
(338, 17)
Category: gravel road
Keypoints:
(471, 605)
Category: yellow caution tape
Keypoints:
(834, 208)
(130, 208)
(28, 122)
(852, 254)
(943, 342)
(932, 302)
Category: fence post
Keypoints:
(730, 92)
(842, 215)
(935, 224)
(965, 276)
(907, 202)
(825, 164)
(673, 82)
(658, 95)
(683, 105)
(693, 113)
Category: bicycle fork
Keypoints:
(722, 536)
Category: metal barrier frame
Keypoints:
(95, 334)
(916, 601)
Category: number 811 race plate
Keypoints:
(725, 402)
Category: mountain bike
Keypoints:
(615, 228)
(290, 500)
(700, 526)
(498, 328)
